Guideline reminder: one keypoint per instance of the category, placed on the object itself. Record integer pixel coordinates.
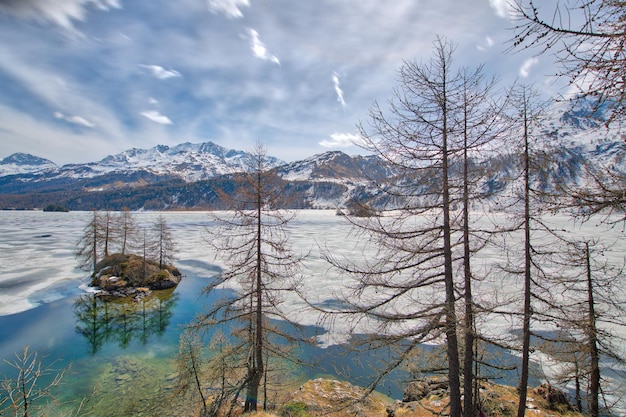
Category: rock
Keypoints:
(164, 280)
(553, 395)
(425, 387)
(141, 293)
(123, 378)
(329, 397)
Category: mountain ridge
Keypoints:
(188, 161)
(188, 175)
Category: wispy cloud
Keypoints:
(230, 8)
(489, 42)
(77, 120)
(341, 140)
(524, 70)
(61, 13)
(503, 8)
(338, 90)
(160, 72)
(156, 117)
(258, 48)
(21, 132)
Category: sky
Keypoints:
(83, 79)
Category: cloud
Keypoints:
(488, 44)
(49, 91)
(61, 13)
(503, 8)
(160, 72)
(258, 48)
(524, 70)
(156, 117)
(341, 140)
(77, 120)
(21, 132)
(338, 90)
(229, 8)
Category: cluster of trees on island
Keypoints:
(420, 283)
(109, 233)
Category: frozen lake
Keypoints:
(41, 287)
(38, 263)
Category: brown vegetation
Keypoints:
(119, 270)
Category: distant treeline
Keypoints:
(176, 194)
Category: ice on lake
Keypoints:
(39, 266)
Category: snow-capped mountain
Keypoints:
(188, 162)
(570, 146)
(336, 166)
(23, 163)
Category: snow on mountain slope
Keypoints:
(23, 163)
(187, 161)
(335, 166)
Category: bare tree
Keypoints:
(588, 38)
(528, 110)
(107, 225)
(191, 366)
(90, 245)
(161, 245)
(253, 242)
(25, 394)
(439, 120)
(127, 230)
(584, 306)
(480, 124)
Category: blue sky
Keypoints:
(83, 79)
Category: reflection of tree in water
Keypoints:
(100, 320)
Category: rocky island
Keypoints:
(124, 275)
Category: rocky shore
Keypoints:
(425, 397)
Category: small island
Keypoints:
(105, 248)
(127, 275)
(56, 208)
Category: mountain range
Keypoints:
(189, 175)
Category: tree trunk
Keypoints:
(592, 341)
(523, 384)
(258, 367)
(94, 243)
(454, 367)
(468, 364)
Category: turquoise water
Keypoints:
(121, 354)
(108, 344)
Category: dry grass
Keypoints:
(333, 398)
(496, 401)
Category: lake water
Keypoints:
(125, 360)
(121, 353)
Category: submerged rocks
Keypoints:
(137, 293)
